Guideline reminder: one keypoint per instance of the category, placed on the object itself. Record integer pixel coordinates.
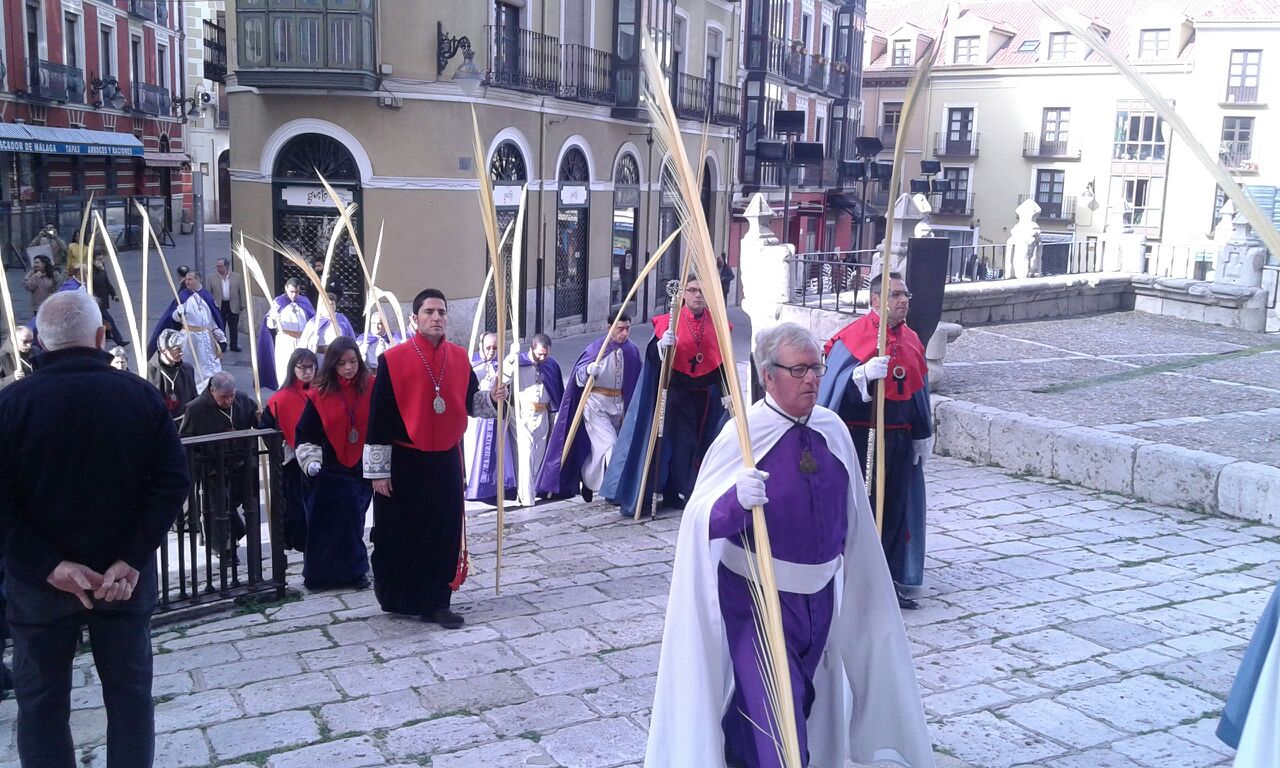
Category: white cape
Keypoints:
(1260, 739)
(867, 705)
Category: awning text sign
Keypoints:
(312, 197)
(64, 148)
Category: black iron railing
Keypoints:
(215, 52)
(1033, 145)
(145, 9)
(797, 66)
(961, 145)
(523, 60)
(200, 566)
(1237, 156)
(1056, 208)
(952, 204)
(817, 79)
(776, 54)
(1242, 94)
(690, 95)
(55, 82)
(151, 99)
(586, 75)
(837, 79)
(726, 104)
(888, 135)
(829, 279)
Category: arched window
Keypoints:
(573, 238)
(506, 167)
(626, 213)
(310, 153)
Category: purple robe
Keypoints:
(807, 524)
(267, 341)
(482, 448)
(566, 479)
(168, 323)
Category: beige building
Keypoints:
(1019, 108)
(206, 107)
(375, 95)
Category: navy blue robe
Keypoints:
(336, 501)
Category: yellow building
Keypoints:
(377, 95)
(1019, 108)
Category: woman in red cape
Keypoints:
(282, 412)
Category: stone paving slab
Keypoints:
(1059, 627)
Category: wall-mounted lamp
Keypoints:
(108, 90)
(197, 100)
(468, 76)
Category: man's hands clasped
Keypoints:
(116, 585)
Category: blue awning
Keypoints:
(16, 137)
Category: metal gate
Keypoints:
(308, 232)
(506, 216)
(573, 238)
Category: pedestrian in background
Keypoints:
(74, 555)
(228, 291)
(41, 281)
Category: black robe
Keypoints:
(417, 531)
(177, 385)
(228, 488)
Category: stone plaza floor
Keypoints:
(1060, 627)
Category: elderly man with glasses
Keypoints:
(908, 441)
(852, 681)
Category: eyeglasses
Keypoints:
(693, 291)
(799, 371)
(895, 295)
(304, 368)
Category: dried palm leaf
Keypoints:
(139, 349)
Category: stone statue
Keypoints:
(1241, 261)
(909, 212)
(1023, 245)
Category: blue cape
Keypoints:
(167, 322)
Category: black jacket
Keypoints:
(91, 469)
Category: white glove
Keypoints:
(667, 341)
(219, 335)
(750, 488)
(313, 469)
(873, 370)
(594, 369)
(179, 314)
(921, 450)
(726, 402)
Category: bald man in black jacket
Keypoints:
(73, 554)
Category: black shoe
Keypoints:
(445, 618)
(904, 602)
(361, 583)
(235, 349)
(587, 494)
(124, 343)
(675, 501)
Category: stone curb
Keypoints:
(1105, 461)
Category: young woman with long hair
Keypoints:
(331, 436)
(283, 411)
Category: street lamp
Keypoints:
(468, 76)
(866, 169)
(197, 100)
(789, 154)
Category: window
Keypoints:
(1242, 77)
(678, 29)
(714, 49)
(135, 61)
(959, 139)
(1139, 132)
(1153, 43)
(806, 27)
(901, 53)
(34, 39)
(71, 40)
(1050, 185)
(106, 51)
(818, 135)
(1054, 127)
(824, 46)
(1237, 142)
(1062, 46)
(892, 119)
(162, 66)
(1136, 196)
(955, 201)
(1029, 46)
(966, 50)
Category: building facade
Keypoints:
(87, 108)
(803, 56)
(206, 107)
(353, 89)
(1018, 108)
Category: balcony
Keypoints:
(953, 204)
(690, 95)
(151, 100)
(1237, 157)
(837, 79)
(215, 52)
(965, 145)
(50, 81)
(586, 75)
(726, 104)
(817, 79)
(1033, 146)
(1057, 208)
(770, 57)
(797, 65)
(523, 60)
(1241, 94)
(888, 135)
(329, 45)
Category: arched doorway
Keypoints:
(508, 172)
(166, 187)
(709, 198)
(305, 215)
(668, 222)
(573, 238)
(224, 187)
(626, 212)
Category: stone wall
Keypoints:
(989, 302)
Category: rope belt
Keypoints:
(538, 406)
(606, 392)
(291, 334)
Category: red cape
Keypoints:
(906, 353)
(287, 405)
(415, 392)
(336, 410)
(693, 336)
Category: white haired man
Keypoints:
(74, 555)
(711, 707)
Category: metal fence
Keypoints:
(21, 222)
(236, 490)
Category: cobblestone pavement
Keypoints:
(1060, 627)
(1158, 378)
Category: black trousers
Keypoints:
(45, 625)
(233, 326)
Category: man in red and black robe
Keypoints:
(422, 396)
(694, 410)
(854, 370)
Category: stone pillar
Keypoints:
(1240, 261)
(909, 212)
(1022, 249)
(764, 273)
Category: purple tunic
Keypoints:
(482, 480)
(808, 522)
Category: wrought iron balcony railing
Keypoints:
(1053, 208)
(523, 60)
(953, 204)
(586, 75)
(888, 135)
(963, 145)
(690, 95)
(1237, 157)
(837, 79)
(726, 104)
(1033, 145)
(215, 52)
(55, 82)
(151, 99)
(817, 79)
(1242, 94)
